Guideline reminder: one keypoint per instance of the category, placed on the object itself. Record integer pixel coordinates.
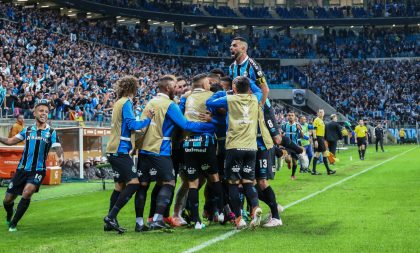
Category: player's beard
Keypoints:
(41, 121)
(171, 95)
(236, 55)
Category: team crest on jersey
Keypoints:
(235, 168)
(245, 73)
(139, 173)
(11, 185)
(245, 109)
(47, 135)
(152, 172)
(134, 169)
(191, 171)
(247, 169)
(205, 167)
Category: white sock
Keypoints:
(157, 217)
(139, 220)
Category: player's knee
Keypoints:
(27, 193)
(193, 184)
(214, 177)
(119, 187)
(172, 182)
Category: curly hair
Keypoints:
(126, 86)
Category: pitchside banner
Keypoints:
(299, 97)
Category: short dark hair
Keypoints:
(240, 39)
(291, 111)
(164, 81)
(218, 72)
(197, 79)
(216, 87)
(227, 79)
(242, 84)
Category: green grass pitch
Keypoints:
(376, 211)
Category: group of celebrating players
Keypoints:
(221, 135)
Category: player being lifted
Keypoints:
(248, 67)
(242, 109)
(39, 139)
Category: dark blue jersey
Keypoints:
(37, 145)
(250, 69)
(293, 131)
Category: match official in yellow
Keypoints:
(319, 143)
(361, 132)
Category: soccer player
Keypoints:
(200, 152)
(118, 149)
(361, 138)
(241, 147)
(293, 130)
(305, 142)
(155, 163)
(264, 172)
(319, 143)
(379, 137)
(39, 140)
(248, 67)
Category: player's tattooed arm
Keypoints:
(10, 141)
(60, 154)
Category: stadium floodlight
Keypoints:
(271, 27)
(352, 26)
(149, 20)
(88, 13)
(311, 27)
(45, 6)
(192, 25)
(89, 16)
(118, 16)
(156, 23)
(71, 15)
(121, 20)
(22, 0)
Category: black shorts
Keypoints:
(22, 177)
(264, 164)
(270, 121)
(155, 168)
(221, 156)
(240, 164)
(123, 167)
(361, 141)
(200, 161)
(321, 144)
(290, 145)
(177, 159)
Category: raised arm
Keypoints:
(130, 120)
(175, 114)
(217, 100)
(15, 139)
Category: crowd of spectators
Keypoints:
(370, 42)
(393, 8)
(40, 58)
(76, 76)
(377, 90)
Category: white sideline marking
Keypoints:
(230, 233)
